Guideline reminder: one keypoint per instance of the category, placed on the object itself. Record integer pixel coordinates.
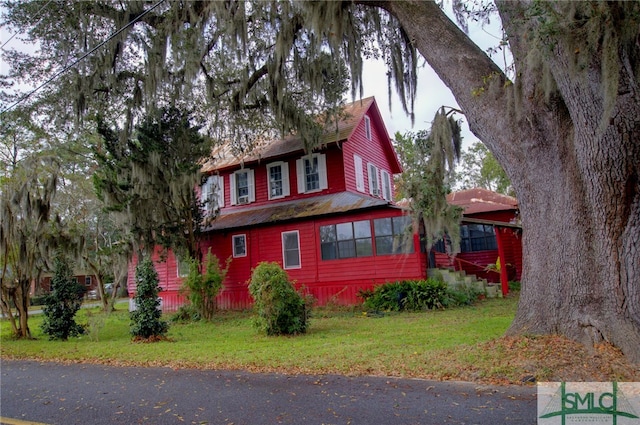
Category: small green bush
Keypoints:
(413, 295)
(62, 304)
(201, 289)
(145, 319)
(281, 310)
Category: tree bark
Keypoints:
(575, 171)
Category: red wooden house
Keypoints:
(327, 217)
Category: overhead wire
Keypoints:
(36, 22)
(68, 67)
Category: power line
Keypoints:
(68, 67)
(35, 23)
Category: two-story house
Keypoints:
(327, 216)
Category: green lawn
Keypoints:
(353, 343)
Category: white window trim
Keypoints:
(178, 262)
(214, 182)
(386, 185)
(357, 163)
(322, 172)
(284, 167)
(374, 184)
(251, 183)
(367, 127)
(233, 245)
(284, 265)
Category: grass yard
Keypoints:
(461, 344)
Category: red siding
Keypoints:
(371, 151)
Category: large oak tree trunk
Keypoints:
(574, 164)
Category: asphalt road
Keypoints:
(53, 393)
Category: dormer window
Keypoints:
(242, 187)
(367, 127)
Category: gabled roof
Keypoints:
(353, 114)
(297, 209)
(480, 200)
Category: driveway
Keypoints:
(53, 393)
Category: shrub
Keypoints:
(62, 304)
(414, 295)
(202, 289)
(281, 310)
(145, 319)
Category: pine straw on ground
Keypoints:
(530, 359)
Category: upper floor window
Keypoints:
(367, 127)
(477, 237)
(386, 185)
(239, 245)
(278, 180)
(212, 193)
(242, 187)
(393, 235)
(312, 173)
(346, 240)
(357, 165)
(87, 280)
(374, 182)
(291, 250)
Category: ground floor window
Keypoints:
(291, 249)
(346, 240)
(239, 245)
(477, 237)
(87, 280)
(393, 235)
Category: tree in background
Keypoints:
(146, 323)
(479, 168)
(62, 304)
(148, 182)
(29, 234)
(428, 159)
(564, 128)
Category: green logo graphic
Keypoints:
(564, 404)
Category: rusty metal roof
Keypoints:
(297, 209)
(222, 157)
(480, 200)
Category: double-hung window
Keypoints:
(374, 182)
(212, 194)
(278, 180)
(291, 249)
(239, 245)
(367, 127)
(311, 171)
(242, 187)
(386, 185)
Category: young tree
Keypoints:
(565, 129)
(146, 322)
(62, 304)
(201, 287)
(479, 168)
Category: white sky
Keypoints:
(431, 92)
